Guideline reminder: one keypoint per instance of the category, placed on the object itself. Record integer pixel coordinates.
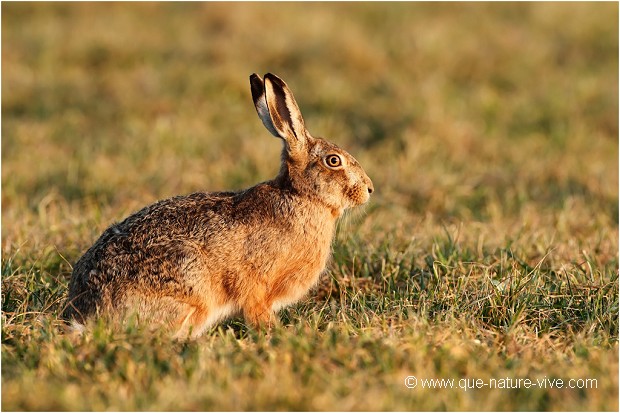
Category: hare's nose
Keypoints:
(371, 188)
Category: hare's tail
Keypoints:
(76, 327)
(72, 328)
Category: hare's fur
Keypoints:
(190, 261)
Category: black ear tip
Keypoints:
(255, 79)
(273, 78)
(256, 86)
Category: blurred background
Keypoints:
(458, 112)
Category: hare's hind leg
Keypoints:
(156, 312)
(193, 320)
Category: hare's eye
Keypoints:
(333, 161)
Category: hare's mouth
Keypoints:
(366, 199)
(359, 195)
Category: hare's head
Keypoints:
(311, 166)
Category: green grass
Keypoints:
(489, 249)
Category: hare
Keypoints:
(190, 261)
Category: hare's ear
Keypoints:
(283, 110)
(284, 113)
(260, 102)
(278, 110)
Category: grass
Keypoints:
(489, 250)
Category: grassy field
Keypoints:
(489, 249)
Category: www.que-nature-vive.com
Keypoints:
(503, 383)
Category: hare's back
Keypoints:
(149, 252)
(158, 239)
(180, 216)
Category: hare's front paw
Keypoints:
(260, 317)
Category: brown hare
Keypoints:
(190, 261)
